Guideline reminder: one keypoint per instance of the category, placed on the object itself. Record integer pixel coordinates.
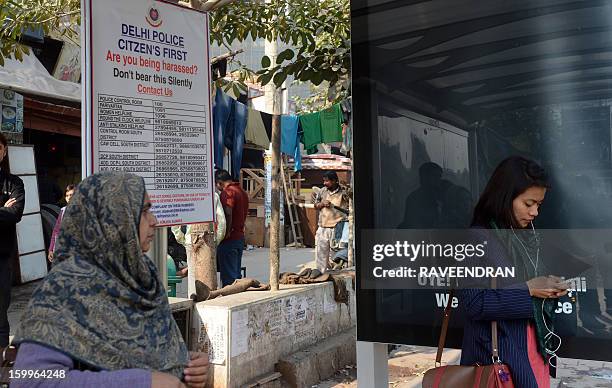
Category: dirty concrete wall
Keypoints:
(246, 334)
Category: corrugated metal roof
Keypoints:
(326, 162)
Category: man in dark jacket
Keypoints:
(12, 202)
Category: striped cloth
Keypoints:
(512, 308)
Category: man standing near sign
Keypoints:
(12, 202)
(235, 203)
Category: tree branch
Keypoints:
(56, 17)
(221, 57)
(209, 5)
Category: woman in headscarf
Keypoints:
(102, 313)
(504, 219)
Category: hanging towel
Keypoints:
(311, 126)
(256, 130)
(290, 143)
(289, 129)
(331, 124)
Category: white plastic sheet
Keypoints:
(31, 77)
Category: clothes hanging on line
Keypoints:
(290, 143)
(346, 107)
(311, 127)
(229, 124)
(324, 127)
(233, 123)
(234, 138)
(347, 135)
(256, 130)
(331, 124)
(347, 129)
(222, 108)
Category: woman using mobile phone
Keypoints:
(12, 202)
(504, 218)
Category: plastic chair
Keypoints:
(173, 280)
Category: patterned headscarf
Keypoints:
(103, 303)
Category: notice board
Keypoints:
(147, 102)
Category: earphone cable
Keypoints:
(547, 338)
(535, 265)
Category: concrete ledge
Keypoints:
(178, 304)
(320, 361)
(247, 334)
(269, 381)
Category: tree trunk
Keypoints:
(203, 254)
(274, 105)
(275, 216)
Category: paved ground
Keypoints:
(291, 260)
(20, 295)
(408, 364)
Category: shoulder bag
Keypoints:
(496, 375)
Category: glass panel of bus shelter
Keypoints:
(445, 90)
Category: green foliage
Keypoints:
(50, 15)
(320, 97)
(239, 81)
(265, 62)
(318, 29)
(316, 100)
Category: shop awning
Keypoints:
(30, 77)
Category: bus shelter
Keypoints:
(460, 85)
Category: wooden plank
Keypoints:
(253, 181)
(254, 231)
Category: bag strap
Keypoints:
(495, 353)
(444, 329)
(494, 343)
